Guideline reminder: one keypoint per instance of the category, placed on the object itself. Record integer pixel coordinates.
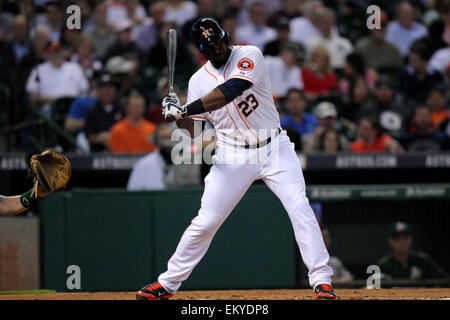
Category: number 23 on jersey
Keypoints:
(248, 105)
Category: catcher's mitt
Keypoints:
(50, 171)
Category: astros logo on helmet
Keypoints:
(206, 32)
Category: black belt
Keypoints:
(264, 143)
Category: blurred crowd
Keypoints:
(338, 85)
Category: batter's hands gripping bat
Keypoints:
(171, 48)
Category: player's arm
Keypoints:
(218, 97)
(10, 206)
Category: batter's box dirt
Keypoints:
(281, 294)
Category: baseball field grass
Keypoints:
(279, 294)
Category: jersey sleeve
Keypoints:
(193, 95)
(248, 65)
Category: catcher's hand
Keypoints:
(50, 171)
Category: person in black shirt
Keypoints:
(125, 45)
(392, 114)
(417, 78)
(273, 48)
(103, 115)
(405, 263)
(422, 137)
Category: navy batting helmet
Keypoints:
(206, 31)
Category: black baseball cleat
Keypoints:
(324, 291)
(154, 291)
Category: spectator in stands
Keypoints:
(17, 57)
(440, 61)
(417, 78)
(120, 10)
(86, 13)
(358, 95)
(19, 46)
(85, 57)
(298, 119)
(355, 67)
(376, 51)
(133, 133)
(404, 31)
(179, 12)
(340, 273)
(147, 33)
(405, 263)
(124, 45)
(101, 32)
(104, 89)
(437, 102)
(327, 118)
(56, 78)
(53, 19)
(283, 70)
(422, 137)
(306, 27)
(289, 10)
(328, 142)
(103, 115)
(371, 138)
(69, 38)
(149, 172)
(135, 12)
(229, 23)
(337, 46)
(273, 48)
(157, 57)
(256, 32)
(391, 113)
(434, 39)
(40, 38)
(236, 8)
(318, 76)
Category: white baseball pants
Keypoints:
(226, 184)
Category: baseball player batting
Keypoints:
(233, 91)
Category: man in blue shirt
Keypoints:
(404, 31)
(75, 118)
(303, 122)
(77, 112)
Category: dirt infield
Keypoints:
(281, 294)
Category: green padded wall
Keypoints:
(122, 240)
(254, 248)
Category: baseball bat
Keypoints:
(171, 50)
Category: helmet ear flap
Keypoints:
(227, 37)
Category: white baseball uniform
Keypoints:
(249, 119)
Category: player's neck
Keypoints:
(218, 66)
